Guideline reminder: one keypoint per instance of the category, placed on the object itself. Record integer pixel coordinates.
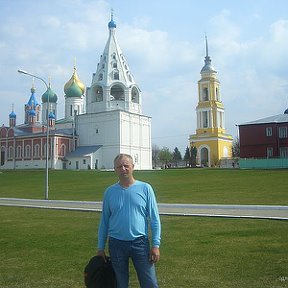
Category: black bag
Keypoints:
(99, 274)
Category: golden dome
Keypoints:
(74, 81)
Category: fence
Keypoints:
(270, 163)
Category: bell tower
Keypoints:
(211, 140)
(113, 118)
(113, 86)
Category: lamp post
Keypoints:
(47, 134)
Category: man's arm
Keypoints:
(103, 226)
(154, 219)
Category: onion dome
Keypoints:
(33, 89)
(32, 100)
(74, 87)
(73, 91)
(51, 94)
(12, 115)
(112, 23)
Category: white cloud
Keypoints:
(51, 22)
(279, 31)
(221, 24)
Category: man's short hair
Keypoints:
(121, 156)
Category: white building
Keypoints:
(96, 128)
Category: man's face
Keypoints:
(124, 167)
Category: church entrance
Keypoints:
(204, 157)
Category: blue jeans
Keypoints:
(138, 250)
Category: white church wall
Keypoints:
(136, 139)
(118, 132)
(79, 163)
(24, 164)
(85, 162)
(98, 129)
(109, 154)
(125, 133)
(135, 130)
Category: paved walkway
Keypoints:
(234, 211)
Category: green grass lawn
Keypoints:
(201, 186)
(49, 249)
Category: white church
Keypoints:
(99, 123)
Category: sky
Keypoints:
(164, 44)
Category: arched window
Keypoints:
(3, 132)
(116, 74)
(37, 151)
(205, 94)
(217, 94)
(27, 151)
(225, 151)
(19, 151)
(63, 150)
(135, 95)
(11, 152)
(3, 155)
(117, 92)
(204, 154)
(98, 92)
(205, 119)
(221, 120)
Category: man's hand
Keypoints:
(102, 254)
(154, 254)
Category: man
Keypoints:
(129, 207)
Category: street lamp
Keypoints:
(47, 133)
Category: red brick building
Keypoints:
(265, 138)
(24, 146)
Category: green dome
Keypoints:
(73, 91)
(74, 87)
(51, 94)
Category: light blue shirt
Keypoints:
(127, 212)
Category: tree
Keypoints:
(190, 156)
(165, 156)
(187, 156)
(155, 154)
(236, 147)
(193, 155)
(177, 156)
